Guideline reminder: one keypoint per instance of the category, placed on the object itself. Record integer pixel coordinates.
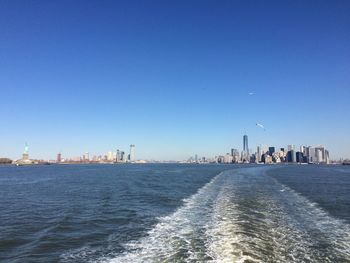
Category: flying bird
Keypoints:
(251, 93)
(260, 125)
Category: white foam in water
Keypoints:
(253, 237)
(77, 254)
(224, 232)
(334, 232)
(312, 234)
(242, 216)
(174, 237)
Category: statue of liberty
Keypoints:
(26, 148)
(25, 155)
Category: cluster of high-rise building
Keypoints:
(117, 156)
(305, 154)
(271, 154)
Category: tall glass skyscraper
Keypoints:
(245, 153)
(132, 153)
(245, 144)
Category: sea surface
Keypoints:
(175, 213)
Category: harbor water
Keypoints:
(175, 213)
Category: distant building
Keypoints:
(276, 157)
(123, 156)
(252, 158)
(228, 158)
(311, 154)
(326, 157)
(264, 149)
(267, 159)
(132, 153)
(235, 155)
(86, 157)
(291, 156)
(245, 152)
(282, 155)
(219, 159)
(110, 156)
(118, 158)
(306, 151)
(258, 154)
(290, 147)
(299, 157)
(59, 158)
(271, 150)
(245, 143)
(320, 154)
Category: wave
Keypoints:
(176, 237)
(257, 219)
(242, 216)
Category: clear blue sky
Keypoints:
(173, 77)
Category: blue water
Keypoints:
(174, 213)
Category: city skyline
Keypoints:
(291, 153)
(176, 78)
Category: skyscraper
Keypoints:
(123, 156)
(118, 159)
(245, 143)
(299, 157)
(110, 156)
(258, 154)
(235, 155)
(290, 156)
(132, 153)
(86, 157)
(327, 157)
(245, 153)
(320, 154)
(311, 156)
(59, 158)
(271, 150)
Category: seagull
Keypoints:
(251, 93)
(260, 125)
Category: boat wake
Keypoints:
(242, 216)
